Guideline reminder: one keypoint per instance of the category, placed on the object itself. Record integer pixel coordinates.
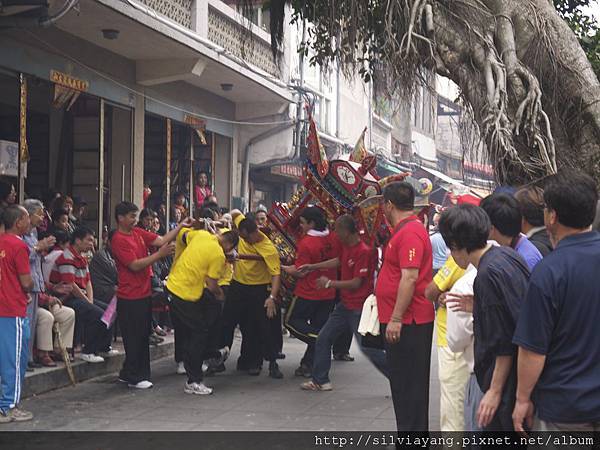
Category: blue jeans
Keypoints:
(340, 320)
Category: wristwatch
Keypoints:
(270, 296)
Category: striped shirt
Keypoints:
(71, 267)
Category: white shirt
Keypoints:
(459, 326)
(49, 262)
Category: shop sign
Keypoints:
(287, 170)
(68, 81)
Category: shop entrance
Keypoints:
(81, 147)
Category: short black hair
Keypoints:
(61, 236)
(232, 236)
(348, 223)
(81, 232)
(211, 205)
(573, 195)
(207, 213)
(465, 227)
(401, 194)
(146, 212)
(58, 213)
(5, 190)
(316, 216)
(247, 225)
(531, 205)
(504, 213)
(11, 214)
(124, 208)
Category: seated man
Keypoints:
(103, 273)
(72, 268)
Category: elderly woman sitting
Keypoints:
(44, 309)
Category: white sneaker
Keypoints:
(111, 352)
(204, 367)
(145, 384)
(180, 369)
(197, 388)
(91, 358)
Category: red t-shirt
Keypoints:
(408, 248)
(201, 193)
(14, 261)
(357, 262)
(126, 248)
(311, 250)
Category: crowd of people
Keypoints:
(509, 284)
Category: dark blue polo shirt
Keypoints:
(560, 318)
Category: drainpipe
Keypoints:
(251, 142)
(300, 90)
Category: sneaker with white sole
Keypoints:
(20, 415)
(145, 384)
(5, 417)
(91, 358)
(180, 369)
(197, 389)
(110, 352)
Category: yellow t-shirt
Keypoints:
(449, 274)
(256, 272)
(203, 257)
(227, 275)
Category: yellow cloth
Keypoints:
(256, 272)
(449, 274)
(203, 257)
(453, 373)
(227, 276)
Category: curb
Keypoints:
(41, 381)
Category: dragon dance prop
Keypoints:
(338, 187)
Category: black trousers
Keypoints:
(196, 320)
(245, 306)
(134, 321)
(342, 344)
(304, 319)
(409, 363)
(96, 337)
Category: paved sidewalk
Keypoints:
(360, 401)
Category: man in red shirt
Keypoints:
(16, 280)
(311, 306)
(131, 246)
(405, 314)
(357, 262)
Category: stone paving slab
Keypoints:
(360, 401)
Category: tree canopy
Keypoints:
(523, 74)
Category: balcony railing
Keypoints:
(229, 30)
(179, 11)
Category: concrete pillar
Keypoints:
(200, 17)
(137, 172)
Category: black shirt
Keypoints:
(541, 240)
(103, 272)
(499, 289)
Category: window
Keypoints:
(258, 14)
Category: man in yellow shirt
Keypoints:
(249, 302)
(453, 369)
(195, 297)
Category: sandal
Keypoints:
(46, 361)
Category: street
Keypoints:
(360, 401)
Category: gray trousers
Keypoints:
(582, 437)
(32, 308)
(473, 396)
